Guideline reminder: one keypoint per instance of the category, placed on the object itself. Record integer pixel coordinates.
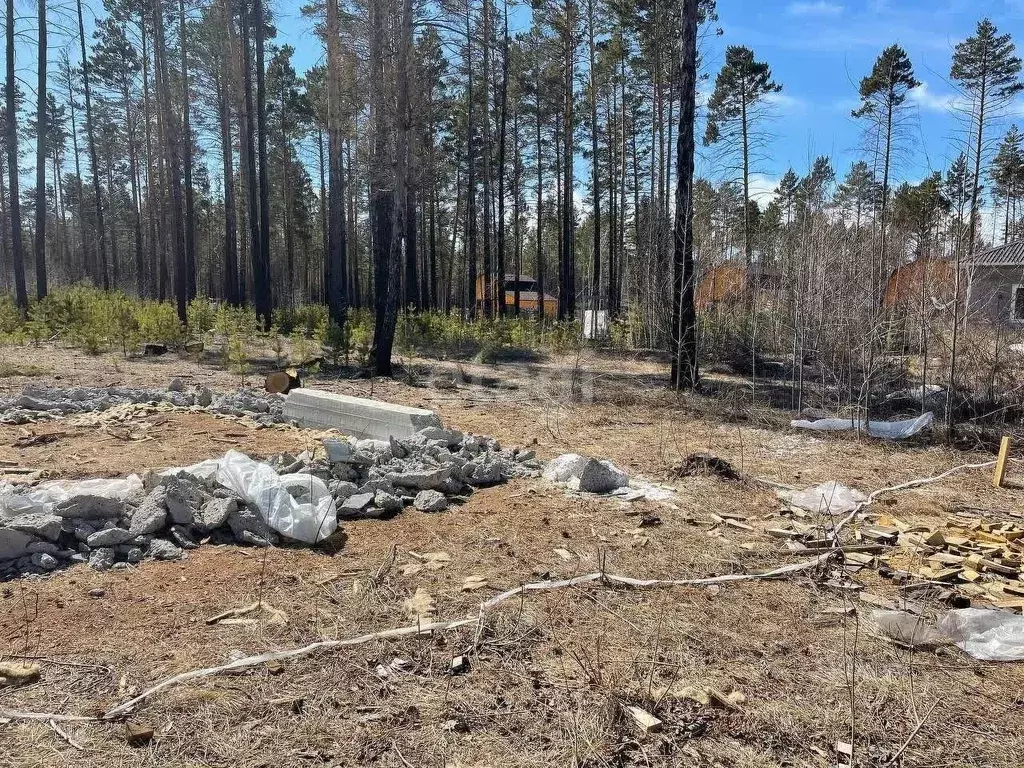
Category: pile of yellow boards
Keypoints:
(979, 559)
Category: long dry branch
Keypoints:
(123, 709)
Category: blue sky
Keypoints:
(820, 49)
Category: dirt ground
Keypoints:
(550, 675)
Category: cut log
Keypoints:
(154, 350)
(282, 382)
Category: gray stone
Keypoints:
(244, 519)
(250, 538)
(83, 531)
(427, 479)
(65, 554)
(182, 499)
(338, 451)
(13, 544)
(341, 489)
(388, 502)
(483, 473)
(45, 561)
(79, 557)
(430, 501)
(134, 555)
(161, 549)
(598, 477)
(356, 502)
(176, 385)
(449, 436)
(182, 537)
(38, 524)
(44, 547)
(525, 455)
(102, 559)
(398, 450)
(214, 513)
(109, 537)
(204, 397)
(151, 516)
(90, 508)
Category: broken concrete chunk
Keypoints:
(44, 561)
(342, 489)
(38, 524)
(598, 477)
(565, 467)
(109, 537)
(151, 516)
(183, 500)
(13, 544)
(47, 547)
(182, 537)
(388, 502)
(90, 508)
(338, 451)
(102, 559)
(161, 549)
(427, 479)
(244, 519)
(430, 501)
(214, 513)
(356, 502)
(451, 437)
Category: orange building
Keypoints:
(924, 278)
(529, 301)
(728, 284)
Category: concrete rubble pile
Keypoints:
(120, 522)
(47, 403)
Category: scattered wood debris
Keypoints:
(644, 720)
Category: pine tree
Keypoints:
(684, 317)
(1007, 173)
(883, 96)
(11, 125)
(735, 106)
(987, 69)
(40, 242)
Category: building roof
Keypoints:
(1007, 255)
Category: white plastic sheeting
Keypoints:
(298, 506)
(986, 634)
(46, 495)
(887, 430)
(832, 497)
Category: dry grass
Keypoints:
(550, 674)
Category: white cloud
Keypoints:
(929, 101)
(762, 188)
(816, 8)
(785, 102)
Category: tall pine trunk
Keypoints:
(262, 298)
(684, 317)
(41, 126)
(93, 162)
(335, 269)
(17, 248)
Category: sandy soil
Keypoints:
(551, 674)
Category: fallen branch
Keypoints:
(775, 573)
(64, 735)
(127, 707)
(913, 733)
(252, 661)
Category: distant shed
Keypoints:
(727, 284)
(930, 279)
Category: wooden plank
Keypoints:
(1004, 453)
